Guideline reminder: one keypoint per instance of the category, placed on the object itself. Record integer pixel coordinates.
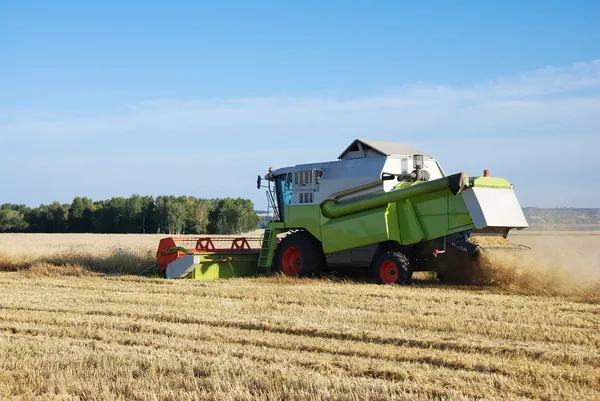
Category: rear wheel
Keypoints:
(392, 268)
(300, 254)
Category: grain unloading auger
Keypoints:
(368, 211)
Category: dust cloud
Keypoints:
(567, 264)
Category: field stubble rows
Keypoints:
(127, 337)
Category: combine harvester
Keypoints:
(384, 208)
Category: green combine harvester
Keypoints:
(382, 208)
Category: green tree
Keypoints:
(133, 215)
(12, 221)
(98, 223)
(176, 215)
(56, 217)
(170, 214)
(148, 222)
(136, 214)
(115, 215)
(161, 214)
(233, 216)
(81, 215)
(196, 215)
(37, 220)
(249, 219)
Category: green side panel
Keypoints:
(409, 214)
(391, 218)
(215, 265)
(354, 230)
(458, 214)
(431, 216)
(432, 212)
(276, 225)
(442, 213)
(304, 216)
(490, 182)
(409, 226)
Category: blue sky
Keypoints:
(111, 98)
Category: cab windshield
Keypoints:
(283, 189)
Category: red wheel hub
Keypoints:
(388, 271)
(291, 262)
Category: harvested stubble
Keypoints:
(278, 338)
(69, 334)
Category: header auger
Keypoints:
(385, 208)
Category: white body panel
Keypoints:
(494, 207)
(182, 266)
(345, 174)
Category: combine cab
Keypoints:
(384, 208)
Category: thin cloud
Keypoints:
(517, 95)
(518, 126)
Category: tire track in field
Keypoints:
(226, 338)
(570, 333)
(384, 375)
(438, 344)
(221, 338)
(216, 293)
(480, 327)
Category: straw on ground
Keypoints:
(91, 336)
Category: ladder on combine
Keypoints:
(266, 249)
(271, 205)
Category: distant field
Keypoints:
(108, 253)
(561, 228)
(66, 333)
(41, 244)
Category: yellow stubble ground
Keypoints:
(67, 333)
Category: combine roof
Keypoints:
(367, 146)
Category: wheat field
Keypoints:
(69, 331)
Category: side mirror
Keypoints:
(387, 177)
(258, 182)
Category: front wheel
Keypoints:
(392, 268)
(300, 254)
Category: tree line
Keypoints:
(136, 214)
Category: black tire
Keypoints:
(300, 254)
(392, 268)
